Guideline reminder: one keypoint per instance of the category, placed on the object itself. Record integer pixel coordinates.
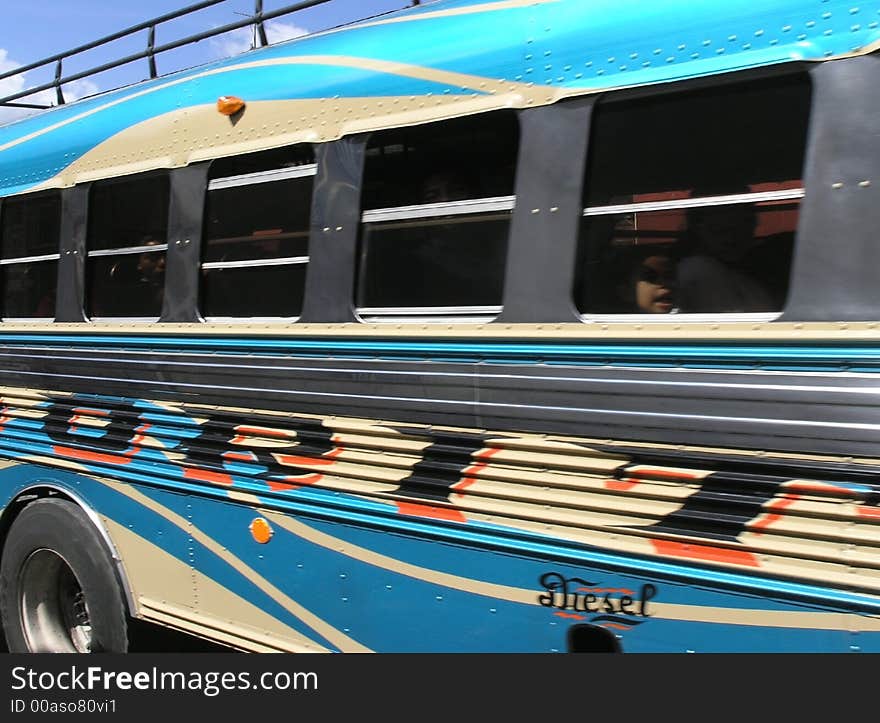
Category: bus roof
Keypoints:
(433, 61)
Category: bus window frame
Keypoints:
(36, 258)
(467, 314)
(90, 253)
(799, 194)
(242, 180)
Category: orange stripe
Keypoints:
(88, 456)
(770, 518)
(264, 432)
(468, 475)
(865, 511)
(431, 511)
(92, 412)
(305, 480)
(294, 460)
(139, 435)
(242, 456)
(569, 616)
(622, 485)
(705, 552)
(818, 487)
(203, 475)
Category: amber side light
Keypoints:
(229, 104)
(261, 530)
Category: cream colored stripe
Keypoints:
(470, 10)
(765, 618)
(339, 639)
(667, 611)
(681, 331)
(866, 50)
(472, 82)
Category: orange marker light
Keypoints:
(229, 104)
(261, 531)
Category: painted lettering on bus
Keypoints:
(584, 596)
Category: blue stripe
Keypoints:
(861, 357)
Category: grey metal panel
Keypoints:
(813, 411)
(71, 266)
(542, 249)
(837, 254)
(335, 224)
(185, 221)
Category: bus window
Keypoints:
(437, 202)
(29, 255)
(691, 201)
(127, 240)
(256, 247)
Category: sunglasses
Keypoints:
(653, 276)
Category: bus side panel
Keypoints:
(194, 561)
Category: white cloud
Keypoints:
(241, 40)
(72, 91)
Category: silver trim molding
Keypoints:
(792, 194)
(276, 174)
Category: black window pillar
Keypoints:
(542, 248)
(335, 224)
(70, 301)
(837, 255)
(185, 222)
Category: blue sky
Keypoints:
(34, 29)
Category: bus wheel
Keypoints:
(58, 587)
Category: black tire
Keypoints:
(58, 586)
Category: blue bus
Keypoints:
(482, 325)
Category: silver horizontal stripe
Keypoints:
(646, 415)
(681, 203)
(276, 174)
(428, 310)
(389, 319)
(253, 263)
(29, 259)
(250, 319)
(215, 360)
(678, 317)
(429, 210)
(128, 250)
(429, 314)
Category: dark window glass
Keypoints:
(275, 158)
(127, 285)
(128, 213)
(434, 262)
(29, 289)
(125, 277)
(721, 256)
(257, 213)
(420, 258)
(30, 228)
(267, 291)
(260, 221)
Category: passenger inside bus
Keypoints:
(718, 274)
(652, 283)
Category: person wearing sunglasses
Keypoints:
(653, 285)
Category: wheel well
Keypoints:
(14, 508)
(39, 492)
